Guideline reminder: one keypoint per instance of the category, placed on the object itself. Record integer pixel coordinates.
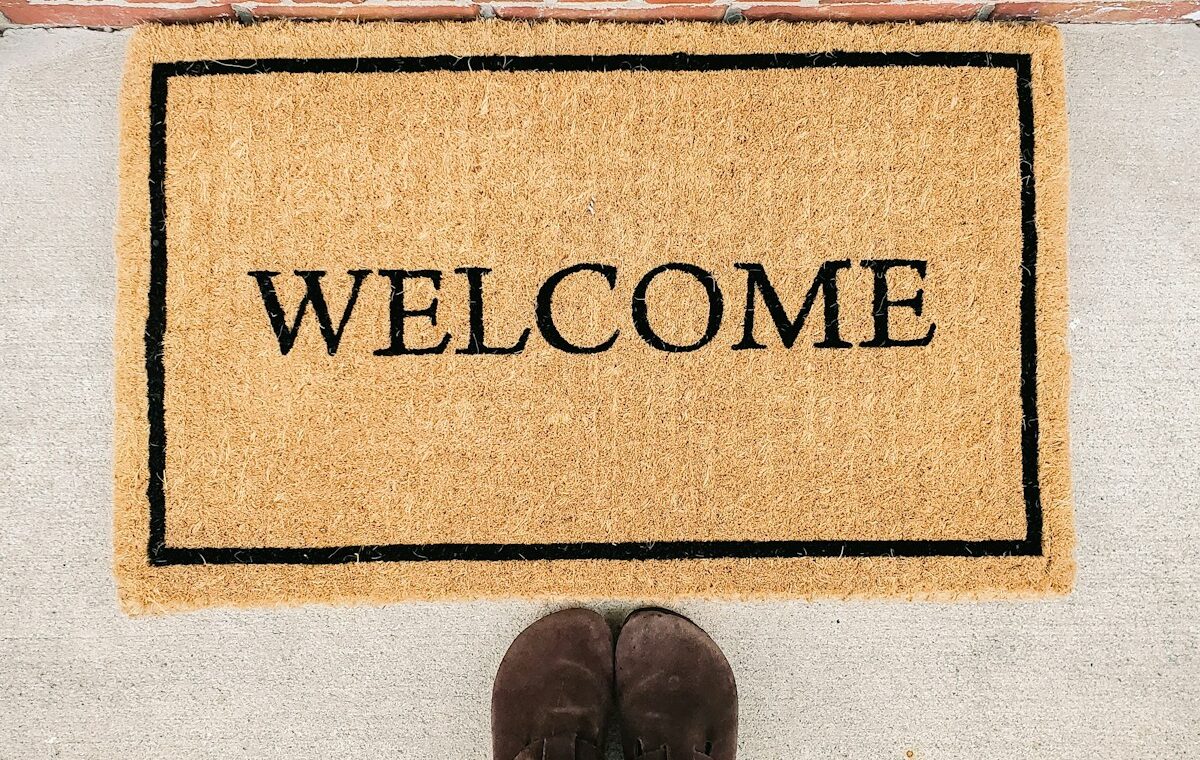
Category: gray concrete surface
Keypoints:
(1112, 671)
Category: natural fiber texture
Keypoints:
(705, 472)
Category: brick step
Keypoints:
(122, 13)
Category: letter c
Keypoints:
(545, 316)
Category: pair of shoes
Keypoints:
(554, 691)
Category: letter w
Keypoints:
(312, 294)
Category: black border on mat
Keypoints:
(156, 322)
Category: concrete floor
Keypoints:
(1111, 671)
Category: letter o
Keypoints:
(716, 307)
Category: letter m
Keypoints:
(312, 295)
(788, 328)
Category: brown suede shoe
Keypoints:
(553, 692)
(675, 690)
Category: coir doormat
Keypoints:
(426, 311)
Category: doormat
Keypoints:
(490, 310)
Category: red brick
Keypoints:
(359, 12)
(171, 2)
(95, 15)
(102, 15)
(1097, 12)
(661, 13)
(355, 3)
(866, 11)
